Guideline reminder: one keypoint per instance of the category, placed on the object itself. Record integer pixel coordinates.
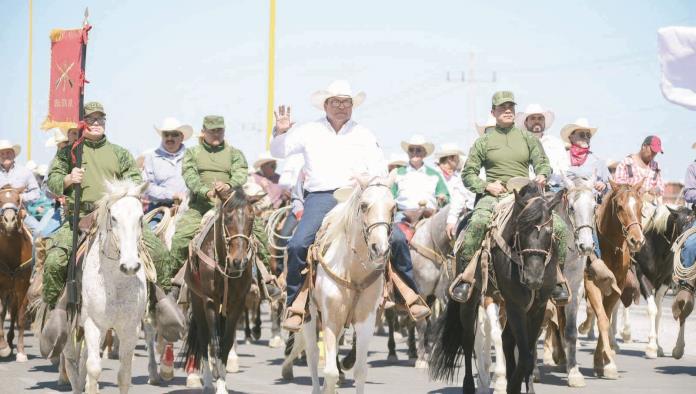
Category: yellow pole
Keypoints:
(271, 74)
(29, 93)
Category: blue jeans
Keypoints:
(595, 238)
(688, 253)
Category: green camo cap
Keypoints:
(213, 122)
(503, 96)
(93, 107)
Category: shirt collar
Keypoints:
(346, 128)
(211, 148)
(504, 130)
(165, 153)
(410, 168)
(96, 144)
(14, 164)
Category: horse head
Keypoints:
(120, 220)
(376, 209)
(680, 219)
(236, 214)
(533, 233)
(581, 212)
(10, 209)
(627, 206)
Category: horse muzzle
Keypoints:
(635, 243)
(235, 266)
(130, 268)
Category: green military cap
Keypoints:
(213, 122)
(503, 96)
(93, 107)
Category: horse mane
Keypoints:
(115, 191)
(658, 222)
(237, 200)
(532, 214)
(340, 219)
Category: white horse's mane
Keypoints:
(340, 220)
(115, 190)
(658, 222)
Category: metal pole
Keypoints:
(29, 69)
(271, 74)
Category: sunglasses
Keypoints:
(335, 103)
(171, 134)
(416, 149)
(583, 134)
(95, 119)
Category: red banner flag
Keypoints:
(67, 78)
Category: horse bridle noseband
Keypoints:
(626, 228)
(522, 252)
(249, 253)
(368, 230)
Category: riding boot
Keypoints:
(296, 313)
(269, 283)
(462, 286)
(601, 275)
(561, 293)
(170, 319)
(417, 307)
(54, 334)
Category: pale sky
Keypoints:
(150, 59)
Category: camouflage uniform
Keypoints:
(203, 165)
(101, 161)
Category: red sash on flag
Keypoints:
(67, 78)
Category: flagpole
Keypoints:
(29, 83)
(271, 74)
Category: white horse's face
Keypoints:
(377, 208)
(126, 225)
(581, 210)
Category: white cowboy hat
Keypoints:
(264, 157)
(57, 137)
(490, 122)
(31, 165)
(580, 123)
(171, 124)
(338, 88)
(41, 170)
(418, 140)
(5, 144)
(397, 159)
(532, 109)
(448, 149)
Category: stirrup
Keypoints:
(456, 282)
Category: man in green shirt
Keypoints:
(505, 152)
(101, 161)
(211, 167)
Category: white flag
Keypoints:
(677, 53)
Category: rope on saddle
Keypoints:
(276, 217)
(164, 222)
(680, 271)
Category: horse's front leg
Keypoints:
(517, 322)
(309, 331)
(334, 320)
(659, 296)
(496, 333)
(602, 350)
(5, 349)
(217, 367)
(575, 378)
(363, 332)
(128, 336)
(93, 363)
(21, 317)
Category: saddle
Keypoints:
(412, 217)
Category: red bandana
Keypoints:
(578, 155)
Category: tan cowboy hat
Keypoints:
(490, 122)
(448, 149)
(612, 164)
(579, 124)
(264, 157)
(338, 88)
(517, 183)
(5, 144)
(172, 124)
(532, 109)
(57, 137)
(397, 159)
(418, 140)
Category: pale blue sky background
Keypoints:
(151, 59)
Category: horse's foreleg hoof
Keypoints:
(421, 364)
(678, 353)
(651, 351)
(287, 373)
(256, 333)
(536, 374)
(21, 358)
(500, 386)
(220, 387)
(5, 352)
(611, 372)
(626, 336)
(575, 378)
(232, 365)
(154, 380)
(193, 381)
(276, 342)
(660, 351)
(166, 374)
(392, 358)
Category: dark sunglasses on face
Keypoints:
(171, 134)
(583, 134)
(416, 149)
(96, 119)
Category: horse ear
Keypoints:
(517, 196)
(363, 180)
(140, 189)
(557, 198)
(613, 185)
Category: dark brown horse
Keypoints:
(620, 234)
(218, 276)
(15, 269)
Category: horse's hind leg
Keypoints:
(468, 314)
(421, 349)
(293, 349)
(21, 317)
(493, 317)
(256, 331)
(412, 353)
(659, 296)
(5, 349)
(482, 350)
(390, 317)
(276, 311)
(93, 362)
(153, 376)
(575, 378)
(587, 326)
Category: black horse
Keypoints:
(655, 263)
(524, 267)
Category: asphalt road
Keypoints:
(260, 369)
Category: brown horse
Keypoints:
(620, 234)
(218, 275)
(15, 269)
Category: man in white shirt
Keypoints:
(536, 119)
(448, 160)
(335, 149)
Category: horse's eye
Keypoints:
(364, 206)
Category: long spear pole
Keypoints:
(271, 73)
(71, 282)
(31, 50)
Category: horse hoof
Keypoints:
(166, 374)
(548, 360)
(537, 376)
(154, 381)
(220, 387)
(392, 358)
(500, 386)
(232, 365)
(276, 342)
(21, 358)
(626, 337)
(63, 381)
(650, 353)
(398, 337)
(660, 352)
(193, 381)
(575, 378)
(341, 379)
(611, 372)
(421, 364)
(677, 353)
(5, 352)
(288, 374)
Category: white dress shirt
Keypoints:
(331, 158)
(558, 158)
(292, 167)
(460, 196)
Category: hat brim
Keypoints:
(452, 152)
(429, 147)
(16, 148)
(517, 183)
(185, 129)
(397, 163)
(568, 129)
(260, 162)
(319, 98)
(521, 118)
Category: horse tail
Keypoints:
(193, 348)
(449, 344)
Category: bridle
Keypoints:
(625, 228)
(367, 230)
(529, 251)
(571, 217)
(228, 238)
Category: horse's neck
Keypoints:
(436, 234)
(9, 252)
(350, 252)
(609, 225)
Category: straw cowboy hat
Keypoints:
(418, 140)
(490, 122)
(532, 109)
(5, 144)
(397, 159)
(172, 124)
(264, 157)
(41, 170)
(338, 88)
(579, 124)
(448, 149)
(57, 137)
